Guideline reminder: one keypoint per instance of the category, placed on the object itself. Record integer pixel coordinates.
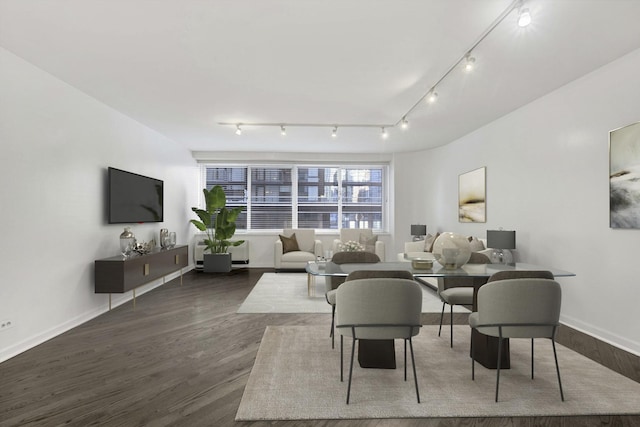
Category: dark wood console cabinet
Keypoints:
(118, 275)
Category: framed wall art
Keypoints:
(472, 196)
(624, 177)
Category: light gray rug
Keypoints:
(287, 293)
(296, 376)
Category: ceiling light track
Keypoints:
(430, 96)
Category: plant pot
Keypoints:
(216, 263)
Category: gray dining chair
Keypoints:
(460, 291)
(518, 308)
(378, 309)
(332, 283)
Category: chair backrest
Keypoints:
(521, 274)
(306, 238)
(354, 234)
(349, 258)
(354, 257)
(522, 302)
(379, 301)
(372, 274)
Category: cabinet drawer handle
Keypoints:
(146, 270)
(177, 259)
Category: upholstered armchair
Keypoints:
(364, 236)
(518, 308)
(378, 309)
(293, 252)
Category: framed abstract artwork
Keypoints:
(472, 196)
(624, 177)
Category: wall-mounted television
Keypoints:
(134, 198)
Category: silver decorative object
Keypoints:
(127, 242)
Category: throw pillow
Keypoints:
(475, 244)
(429, 243)
(369, 244)
(289, 244)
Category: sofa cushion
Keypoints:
(289, 244)
(417, 246)
(369, 243)
(475, 244)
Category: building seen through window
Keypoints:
(318, 197)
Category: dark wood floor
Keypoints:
(182, 358)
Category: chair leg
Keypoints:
(499, 362)
(341, 358)
(473, 358)
(353, 349)
(451, 321)
(413, 362)
(441, 316)
(555, 356)
(405, 359)
(333, 327)
(531, 358)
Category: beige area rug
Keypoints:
(296, 376)
(287, 293)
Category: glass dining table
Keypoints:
(486, 347)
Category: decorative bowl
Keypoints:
(422, 264)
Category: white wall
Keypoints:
(547, 178)
(57, 143)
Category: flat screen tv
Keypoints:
(134, 198)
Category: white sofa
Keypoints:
(309, 246)
(363, 236)
(422, 249)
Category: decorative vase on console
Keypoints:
(127, 242)
(164, 238)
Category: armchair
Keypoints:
(363, 236)
(296, 256)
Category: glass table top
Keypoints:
(468, 270)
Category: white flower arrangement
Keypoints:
(352, 246)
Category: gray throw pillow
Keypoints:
(289, 244)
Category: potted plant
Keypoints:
(219, 224)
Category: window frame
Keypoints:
(385, 184)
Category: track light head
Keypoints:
(432, 96)
(283, 131)
(470, 63)
(384, 134)
(238, 130)
(334, 132)
(404, 123)
(524, 18)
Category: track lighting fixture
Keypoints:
(524, 18)
(470, 63)
(466, 61)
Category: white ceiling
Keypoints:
(182, 66)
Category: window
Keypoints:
(325, 197)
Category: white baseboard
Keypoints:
(33, 341)
(602, 335)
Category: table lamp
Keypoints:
(418, 231)
(499, 240)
